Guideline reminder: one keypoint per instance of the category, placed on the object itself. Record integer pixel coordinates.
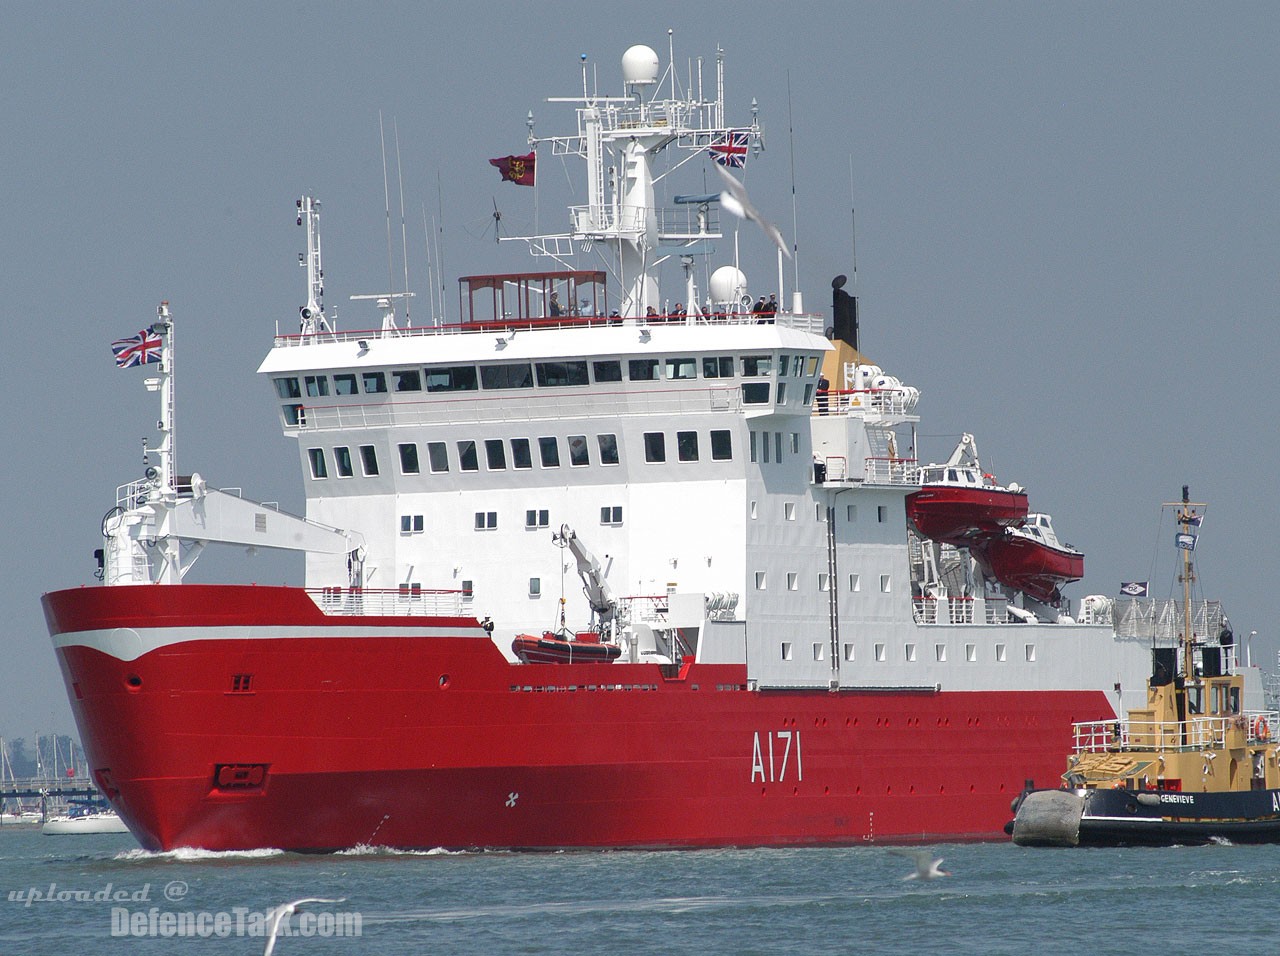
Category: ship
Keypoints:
(636, 453)
(1194, 765)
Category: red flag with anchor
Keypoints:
(516, 169)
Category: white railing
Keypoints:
(403, 602)
(1198, 733)
(1163, 619)
(862, 401)
(889, 471)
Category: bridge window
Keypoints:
(288, 388)
(687, 446)
(369, 460)
(318, 469)
(755, 393)
(506, 376)
(467, 460)
(642, 370)
(345, 384)
(609, 370)
(578, 454)
(682, 368)
(409, 459)
(655, 447)
(407, 380)
(557, 374)
(721, 445)
(342, 462)
(495, 454)
(317, 385)
(549, 452)
(451, 378)
(782, 393)
(293, 415)
(437, 456)
(756, 366)
(374, 382)
(608, 449)
(717, 366)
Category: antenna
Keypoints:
(386, 198)
(431, 284)
(312, 314)
(439, 242)
(404, 241)
(797, 302)
(853, 224)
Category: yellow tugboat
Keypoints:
(1190, 767)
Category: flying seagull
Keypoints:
(282, 912)
(734, 199)
(926, 864)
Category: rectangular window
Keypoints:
(520, 456)
(506, 376)
(642, 370)
(752, 510)
(611, 514)
(451, 378)
(345, 385)
(550, 452)
(882, 513)
(317, 385)
(717, 366)
(293, 415)
(755, 393)
(760, 580)
(813, 364)
(782, 393)
(559, 374)
(607, 371)
(855, 583)
(795, 443)
(408, 459)
(764, 447)
(1001, 656)
(318, 469)
(789, 510)
(818, 649)
(535, 587)
(374, 382)
(793, 581)
(682, 368)
(1031, 653)
(687, 446)
(467, 458)
(851, 513)
(486, 520)
(756, 366)
(940, 653)
(578, 456)
(407, 379)
(881, 652)
(536, 518)
(655, 447)
(342, 462)
(369, 460)
(288, 388)
(971, 652)
(824, 581)
(608, 449)
(777, 447)
(848, 652)
(786, 650)
(808, 395)
(438, 456)
(721, 445)
(885, 583)
(909, 652)
(753, 447)
(495, 454)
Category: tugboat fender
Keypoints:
(1049, 818)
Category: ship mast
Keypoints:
(1188, 519)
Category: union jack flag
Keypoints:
(141, 349)
(731, 150)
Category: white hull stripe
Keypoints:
(128, 644)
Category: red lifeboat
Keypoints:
(1031, 559)
(959, 504)
(553, 648)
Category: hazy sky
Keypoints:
(1068, 238)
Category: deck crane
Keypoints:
(604, 606)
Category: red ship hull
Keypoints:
(230, 717)
(957, 515)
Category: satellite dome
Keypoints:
(639, 66)
(727, 284)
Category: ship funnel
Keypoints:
(640, 66)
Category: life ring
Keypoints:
(1261, 730)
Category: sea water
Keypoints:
(82, 895)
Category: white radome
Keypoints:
(728, 284)
(640, 66)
